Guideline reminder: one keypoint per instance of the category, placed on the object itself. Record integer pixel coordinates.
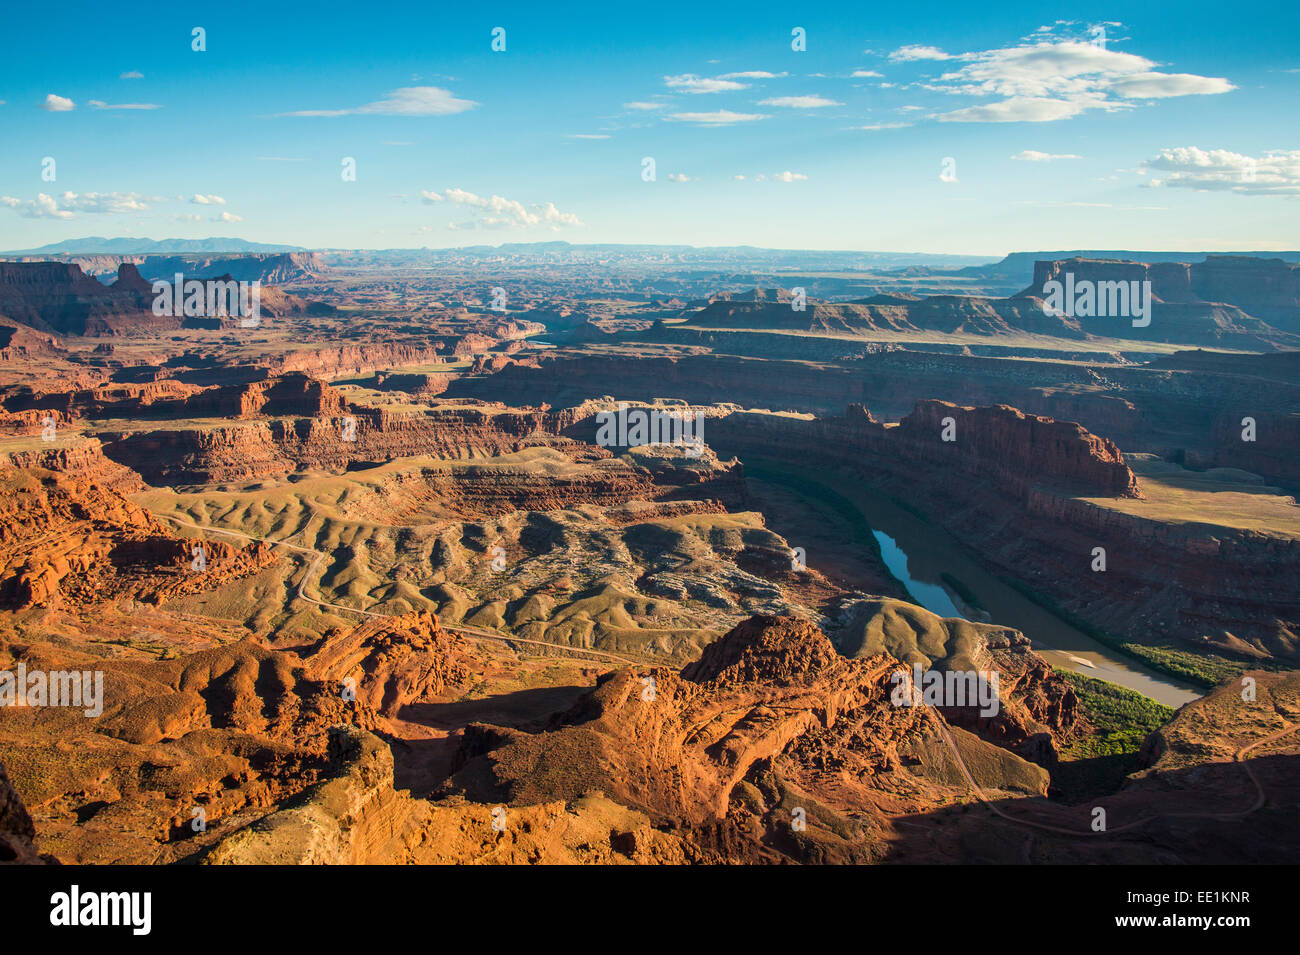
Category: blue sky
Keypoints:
(1173, 129)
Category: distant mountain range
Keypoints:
(97, 245)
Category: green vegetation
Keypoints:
(1208, 670)
(1098, 763)
(1122, 718)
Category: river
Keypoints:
(940, 575)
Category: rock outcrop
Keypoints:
(393, 661)
(1254, 284)
(343, 820)
(273, 268)
(1224, 300)
(357, 816)
(720, 749)
(1016, 449)
(17, 833)
(79, 457)
(69, 539)
(59, 297)
(227, 734)
(1037, 709)
(1012, 450)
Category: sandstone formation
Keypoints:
(269, 268)
(393, 661)
(1038, 710)
(274, 268)
(233, 731)
(1262, 287)
(1017, 449)
(82, 457)
(20, 344)
(17, 834)
(58, 297)
(1012, 450)
(64, 537)
(769, 718)
(357, 816)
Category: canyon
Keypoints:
(366, 584)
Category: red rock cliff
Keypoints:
(1017, 449)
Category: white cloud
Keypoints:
(42, 207)
(678, 177)
(722, 117)
(227, 217)
(863, 74)
(752, 75)
(200, 199)
(799, 102)
(875, 126)
(70, 204)
(407, 101)
(57, 104)
(738, 178)
(908, 54)
(789, 176)
(1018, 109)
(131, 75)
(1051, 80)
(690, 83)
(1164, 85)
(100, 104)
(1034, 155)
(501, 213)
(1276, 172)
(641, 105)
(589, 136)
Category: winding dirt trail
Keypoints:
(1239, 757)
